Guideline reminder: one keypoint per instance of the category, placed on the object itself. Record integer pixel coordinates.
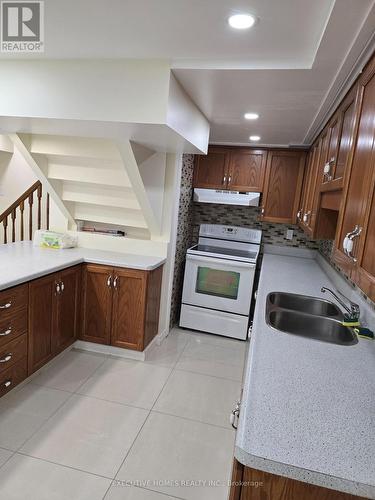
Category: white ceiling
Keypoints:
(288, 67)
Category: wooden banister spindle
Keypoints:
(5, 224)
(39, 195)
(22, 230)
(13, 216)
(47, 221)
(31, 201)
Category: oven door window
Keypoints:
(217, 282)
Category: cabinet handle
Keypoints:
(299, 213)
(225, 179)
(350, 243)
(115, 282)
(229, 179)
(58, 289)
(6, 306)
(109, 281)
(234, 416)
(7, 383)
(262, 211)
(7, 332)
(7, 358)
(306, 216)
(62, 286)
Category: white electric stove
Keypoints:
(219, 278)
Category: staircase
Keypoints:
(89, 181)
(28, 213)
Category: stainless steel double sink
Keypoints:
(309, 317)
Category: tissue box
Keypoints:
(52, 239)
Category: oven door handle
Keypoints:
(226, 262)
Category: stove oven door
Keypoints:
(224, 285)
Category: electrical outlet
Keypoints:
(289, 234)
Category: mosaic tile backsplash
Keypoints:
(192, 214)
(274, 234)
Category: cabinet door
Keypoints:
(67, 311)
(332, 142)
(42, 314)
(310, 207)
(358, 205)
(97, 304)
(247, 170)
(129, 308)
(211, 171)
(283, 186)
(348, 110)
(305, 187)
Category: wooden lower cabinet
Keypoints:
(252, 484)
(97, 294)
(53, 315)
(68, 309)
(120, 306)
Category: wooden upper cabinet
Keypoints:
(308, 217)
(97, 303)
(235, 169)
(341, 133)
(211, 170)
(357, 218)
(283, 184)
(67, 308)
(247, 169)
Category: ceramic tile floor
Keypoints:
(96, 427)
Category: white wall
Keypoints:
(124, 91)
(15, 178)
(169, 231)
(185, 117)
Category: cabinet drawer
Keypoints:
(12, 376)
(13, 352)
(13, 299)
(13, 325)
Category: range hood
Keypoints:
(226, 197)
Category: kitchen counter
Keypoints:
(21, 262)
(308, 407)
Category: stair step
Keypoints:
(85, 147)
(108, 196)
(106, 176)
(111, 215)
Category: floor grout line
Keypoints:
(192, 420)
(207, 375)
(22, 453)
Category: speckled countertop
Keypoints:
(308, 407)
(21, 262)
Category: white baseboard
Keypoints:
(109, 350)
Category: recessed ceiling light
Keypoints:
(254, 138)
(241, 21)
(251, 116)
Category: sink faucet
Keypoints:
(353, 312)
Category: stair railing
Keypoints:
(14, 217)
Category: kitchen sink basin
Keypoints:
(311, 326)
(309, 317)
(304, 304)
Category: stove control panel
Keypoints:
(232, 233)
